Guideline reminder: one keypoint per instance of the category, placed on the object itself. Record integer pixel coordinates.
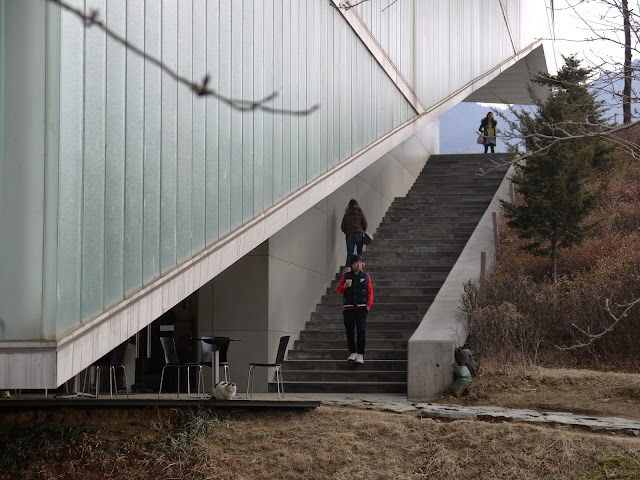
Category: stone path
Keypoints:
(490, 414)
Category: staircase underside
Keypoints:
(415, 247)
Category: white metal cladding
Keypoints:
(149, 174)
(439, 46)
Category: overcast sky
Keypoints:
(571, 31)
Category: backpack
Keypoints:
(467, 357)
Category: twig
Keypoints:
(616, 319)
(201, 89)
(394, 1)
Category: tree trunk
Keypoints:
(554, 260)
(626, 92)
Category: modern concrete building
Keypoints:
(130, 206)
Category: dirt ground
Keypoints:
(333, 442)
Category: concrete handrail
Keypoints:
(431, 347)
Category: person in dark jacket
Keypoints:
(354, 224)
(488, 130)
(357, 297)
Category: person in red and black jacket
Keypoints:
(357, 293)
(354, 224)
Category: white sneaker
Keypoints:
(359, 358)
(352, 357)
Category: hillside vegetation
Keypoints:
(518, 317)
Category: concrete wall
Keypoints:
(431, 348)
(284, 278)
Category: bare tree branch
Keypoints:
(347, 5)
(202, 88)
(595, 336)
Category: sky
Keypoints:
(571, 31)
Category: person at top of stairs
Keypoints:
(488, 129)
(357, 293)
(354, 224)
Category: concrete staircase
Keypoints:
(414, 249)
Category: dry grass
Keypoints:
(326, 443)
(585, 392)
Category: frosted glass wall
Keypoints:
(439, 46)
(149, 174)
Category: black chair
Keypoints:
(207, 357)
(112, 360)
(282, 349)
(171, 360)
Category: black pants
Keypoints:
(487, 145)
(355, 319)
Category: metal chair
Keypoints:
(282, 349)
(171, 360)
(112, 361)
(207, 357)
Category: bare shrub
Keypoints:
(517, 316)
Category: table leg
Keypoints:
(215, 374)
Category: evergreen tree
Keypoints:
(552, 181)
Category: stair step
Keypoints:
(336, 299)
(412, 251)
(424, 260)
(340, 343)
(399, 280)
(343, 364)
(340, 335)
(426, 230)
(387, 241)
(394, 289)
(373, 317)
(339, 354)
(342, 387)
(381, 307)
(354, 375)
(403, 282)
(338, 325)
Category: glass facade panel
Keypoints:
(115, 156)
(199, 123)
(169, 138)
(70, 203)
(134, 149)
(152, 143)
(185, 138)
(212, 158)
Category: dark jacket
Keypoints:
(360, 294)
(354, 221)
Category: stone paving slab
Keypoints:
(489, 413)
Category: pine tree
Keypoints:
(551, 182)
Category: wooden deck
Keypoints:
(29, 401)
